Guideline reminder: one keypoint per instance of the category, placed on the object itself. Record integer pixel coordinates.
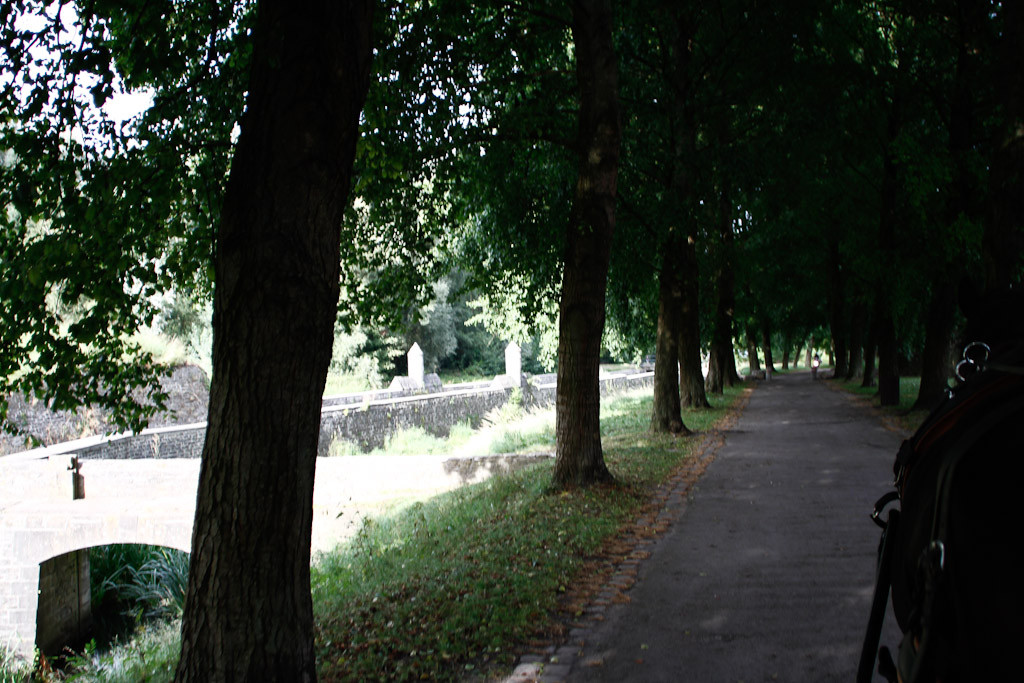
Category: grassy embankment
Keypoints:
(454, 585)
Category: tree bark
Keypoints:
(885, 328)
(691, 376)
(837, 308)
(753, 362)
(248, 613)
(888, 362)
(1003, 240)
(667, 413)
(870, 349)
(856, 364)
(938, 333)
(722, 363)
(960, 205)
(579, 459)
(766, 344)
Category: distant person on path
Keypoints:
(814, 366)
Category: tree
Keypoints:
(722, 363)
(666, 414)
(248, 613)
(579, 459)
(117, 213)
(661, 208)
(682, 79)
(1003, 244)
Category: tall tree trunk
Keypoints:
(766, 344)
(888, 362)
(960, 205)
(722, 363)
(667, 414)
(1003, 241)
(691, 377)
(870, 349)
(579, 459)
(714, 383)
(837, 308)
(753, 362)
(857, 324)
(938, 333)
(884, 327)
(248, 613)
(888, 369)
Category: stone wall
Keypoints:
(363, 419)
(64, 612)
(185, 441)
(369, 425)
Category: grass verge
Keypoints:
(450, 587)
(899, 416)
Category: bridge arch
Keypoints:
(32, 537)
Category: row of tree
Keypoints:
(693, 171)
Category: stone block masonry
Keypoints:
(64, 613)
(370, 425)
(367, 422)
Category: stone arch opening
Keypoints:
(90, 593)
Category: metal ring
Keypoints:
(937, 555)
(970, 353)
(960, 367)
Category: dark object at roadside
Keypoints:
(946, 548)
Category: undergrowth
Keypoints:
(149, 654)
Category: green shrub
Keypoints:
(150, 654)
(343, 447)
(414, 441)
(12, 669)
(144, 580)
(157, 588)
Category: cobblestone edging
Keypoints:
(554, 663)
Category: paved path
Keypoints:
(766, 573)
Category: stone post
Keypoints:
(416, 365)
(513, 362)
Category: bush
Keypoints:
(12, 669)
(151, 655)
(143, 581)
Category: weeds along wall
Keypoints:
(366, 419)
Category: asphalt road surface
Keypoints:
(767, 574)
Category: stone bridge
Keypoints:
(57, 502)
(45, 533)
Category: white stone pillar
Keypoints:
(513, 362)
(416, 365)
